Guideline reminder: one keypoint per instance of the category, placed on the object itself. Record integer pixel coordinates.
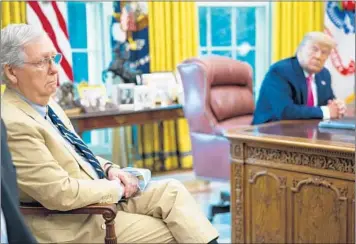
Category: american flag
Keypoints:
(51, 17)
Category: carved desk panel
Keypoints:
(292, 183)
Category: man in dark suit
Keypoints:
(300, 87)
(13, 227)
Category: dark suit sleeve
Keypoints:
(332, 95)
(17, 230)
(280, 95)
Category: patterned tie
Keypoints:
(78, 144)
(310, 97)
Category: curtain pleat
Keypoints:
(12, 12)
(173, 37)
(291, 21)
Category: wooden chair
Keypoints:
(108, 212)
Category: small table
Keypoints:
(292, 182)
(111, 119)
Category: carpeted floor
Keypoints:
(205, 194)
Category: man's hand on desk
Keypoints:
(337, 108)
(128, 181)
(342, 107)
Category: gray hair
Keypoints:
(319, 37)
(14, 37)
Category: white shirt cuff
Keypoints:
(326, 112)
(120, 189)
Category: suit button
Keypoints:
(103, 226)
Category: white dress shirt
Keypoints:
(325, 109)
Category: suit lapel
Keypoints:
(26, 108)
(319, 88)
(301, 80)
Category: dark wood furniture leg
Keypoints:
(162, 157)
(176, 128)
(110, 237)
(142, 141)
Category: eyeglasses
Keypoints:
(45, 62)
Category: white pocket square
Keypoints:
(323, 83)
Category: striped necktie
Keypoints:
(78, 144)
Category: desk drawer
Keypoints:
(288, 207)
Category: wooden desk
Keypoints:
(101, 120)
(292, 182)
(112, 119)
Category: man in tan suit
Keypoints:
(56, 169)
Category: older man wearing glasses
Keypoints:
(55, 168)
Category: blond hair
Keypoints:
(319, 37)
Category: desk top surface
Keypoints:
(304, 133)
(123, 112)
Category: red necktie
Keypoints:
(310, 97)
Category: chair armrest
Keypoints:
(37, 209)
(108, 211)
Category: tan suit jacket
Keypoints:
(52, 173)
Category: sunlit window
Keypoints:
(240, 30)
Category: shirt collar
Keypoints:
(306, 74)
(42, 110)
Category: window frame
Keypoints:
(262, 33)
(98, 16)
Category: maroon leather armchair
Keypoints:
(217, 96)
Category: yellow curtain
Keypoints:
(13, 12)
(173, 37)
(291, 20)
